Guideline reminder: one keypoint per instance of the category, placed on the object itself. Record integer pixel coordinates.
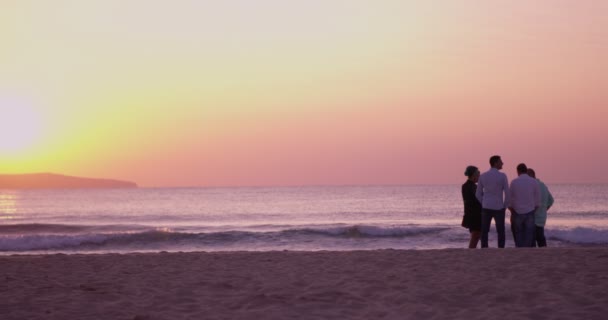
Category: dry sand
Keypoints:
(553, 283)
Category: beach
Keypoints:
(551, 283)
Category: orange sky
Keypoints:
(224, 93)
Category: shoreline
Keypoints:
(575, 246)
(530, 283)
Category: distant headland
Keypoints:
(58, 181)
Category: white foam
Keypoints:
(580, 235)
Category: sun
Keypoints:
(20, 125)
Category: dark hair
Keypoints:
(493, 160)
(531, 173)
(522, 168)
(470, 170)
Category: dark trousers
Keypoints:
(539, 234)
(524, 229)
(486, 220)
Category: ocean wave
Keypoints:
(46, 228)
(358, 231)
(48, 242)
(78, 239)
(578, 235)
(46, 237)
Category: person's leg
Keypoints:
(530, 229)
(486, 220)
(519, 230)
(499, 220)
(475, 235)
(540, 236)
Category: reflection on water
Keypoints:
(8, 206)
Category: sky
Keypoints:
(316, 92)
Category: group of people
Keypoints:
(487, 196)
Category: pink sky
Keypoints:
(395, 92)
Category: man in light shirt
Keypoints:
(491, 187)
(540, 215)
(525, 199)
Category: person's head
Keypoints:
(472, 172)
(522, 168)
(531, 173)
(496, 162)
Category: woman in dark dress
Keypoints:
(472, 207)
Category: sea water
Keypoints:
(260, 218)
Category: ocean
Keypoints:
(262, 219)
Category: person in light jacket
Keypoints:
(540, 216)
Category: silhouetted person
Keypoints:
(540, 215)
(491, 188)
(472, 206)
(525, 199)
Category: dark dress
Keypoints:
(472, 207)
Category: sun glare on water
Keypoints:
(20, 126)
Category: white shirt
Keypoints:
(490, 189)
(525, 194)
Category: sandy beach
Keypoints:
(554, 283)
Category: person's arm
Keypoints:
(537, 198)
(479, 192)
(551, 200)
(505, 187)
(469, 194)
(463, 191)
